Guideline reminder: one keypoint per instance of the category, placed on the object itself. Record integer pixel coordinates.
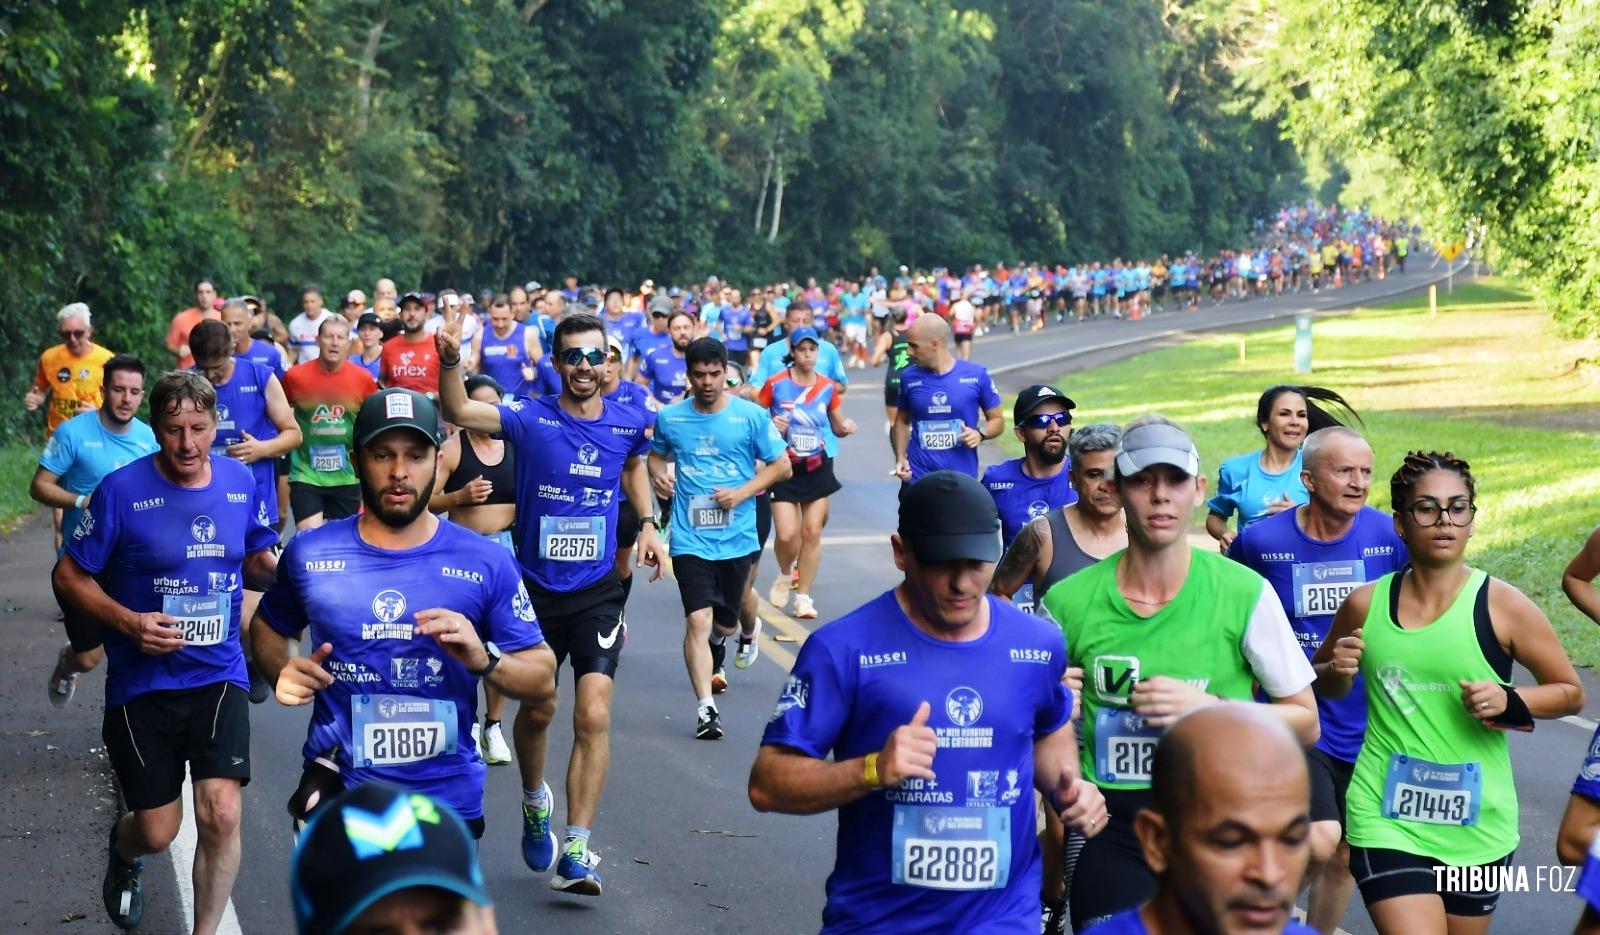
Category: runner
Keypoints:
(477, 486)
(936, 424)
(1225, 829)
(805, 411)
(509, 350)
(204, 307)
(1028, 487)
(255, 424)
(76, 459)
(770, 362)
(618, 320)
(1262, 484)
(614, 389)
(577, 456)
(369, 328)
(303, 327)
(1582, 818)
(894, 350)
(69, 378)
(662, 370)
(963, 322)
(325, 395)
(157, 560)
(236, 315)
(409, 358)
(1130, 625)
(346, 879)
(1313, 556)
(926, 717)
(717, 441)
(1436, 641)
(406, 614)
(648, 340)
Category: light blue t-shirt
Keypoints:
(715, 449)
(1244, 488)
(83, 451)
(771, 362)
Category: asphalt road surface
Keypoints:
(682, 849)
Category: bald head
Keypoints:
(929, 328)
(1221, 742)
(1336, 468)
(1319, 444)
(928, 341)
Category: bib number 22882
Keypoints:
(951, 848)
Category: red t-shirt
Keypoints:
(410, 365)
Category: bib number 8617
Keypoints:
(389, 744)
(950, 865)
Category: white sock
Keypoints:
(707, 703)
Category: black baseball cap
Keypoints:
(396, 408)
(372, 841)
(1033, 397)
(416, 297)
(369, 318)
(948, 516)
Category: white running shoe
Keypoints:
(804, 608)
(778, 594)
(748, 648)
(495, 751)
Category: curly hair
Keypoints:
(1418, 463)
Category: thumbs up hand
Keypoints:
(909, 751)
(303, 677)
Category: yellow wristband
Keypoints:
(869, 771)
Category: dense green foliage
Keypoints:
(268, 143)
(1478, 118)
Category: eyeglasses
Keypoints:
(734, 380)
(1428, 512)
(1043, 420)
(573, 356)
(74, 334)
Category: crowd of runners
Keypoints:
(1064, 713)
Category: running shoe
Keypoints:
(709, 725)
(124, 902)
(804, 607)
(539, 843)
(778, 594)
(63, 681)
(575, 873)
(748, 649)
(495, 751)
(719, 673)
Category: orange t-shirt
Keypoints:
(72, 382)
(182, 324)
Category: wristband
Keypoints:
(78, 503)
(445, 366)
(652, 519)
(1516, 716)
(869, 771)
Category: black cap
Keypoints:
(416, 297)
(374, 840)
(1031, 398)
(948, 516)
(369, 318)
(396, 408)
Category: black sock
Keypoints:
(627, 588)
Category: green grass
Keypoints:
(17, 464)
(1487, 378)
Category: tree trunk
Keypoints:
(530, 8)
(777, 201)
(766, 182)
(369, 64)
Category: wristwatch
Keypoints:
(494, 660)
(652, 519)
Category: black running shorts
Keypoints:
(719, 585)
(153, 738)
(585, 625)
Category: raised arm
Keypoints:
(458, 408)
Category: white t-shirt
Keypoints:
(303, 335)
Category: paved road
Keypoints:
(683, 850)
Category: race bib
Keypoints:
(804, 440)
(951, 848)
(939, 436)
(1320, 587)
(1124, 745)
(705, 513)
(327, 459)
(1432, 793)
(203, 618)
(758, 342)
(571, 538)
(1023, 599)
(389, 730)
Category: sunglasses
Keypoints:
(1044, 420)
(74, 334)
(573, 356)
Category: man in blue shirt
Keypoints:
(1028, 487)
(406, 612)
(800, 315)
(81, 452)
(158, 559)
(1314, 556)
(946, 407)
(648, 339)
(727, 452)
(577, 457)
(662, 369)
(928, 717)
(236, 315)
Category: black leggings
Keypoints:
(1110, 874)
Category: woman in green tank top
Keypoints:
(1432, 788)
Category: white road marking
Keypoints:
(182, 851)
(1582, 722)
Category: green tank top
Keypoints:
(1197, 637)
(1431, 780)
(899, 358)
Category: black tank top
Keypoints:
(1066, 557)
(503, 475)
(899, 358)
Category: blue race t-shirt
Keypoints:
(1130, 923)
(400, 709)
(266, 354)
(82, 451)
(940, 405)
(734, 320)
(771, 363)
(155, 546)
(645, 341)
(715, 449)
(666, 372)
(1312, 579)
(569, 473)
(959, 854)
(373, 366)
(1588, 782)
(1244, 488)
(625, 326)
(1021, 497)
(504, 358)
(808, 409)
(241, 408)
(546, 379)
(629, 393)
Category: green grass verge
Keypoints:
(17, 464)
(1488, 378)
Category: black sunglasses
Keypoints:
(1041, 420)
(573, 356)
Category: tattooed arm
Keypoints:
(1028, 557)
